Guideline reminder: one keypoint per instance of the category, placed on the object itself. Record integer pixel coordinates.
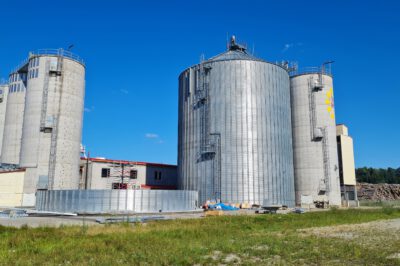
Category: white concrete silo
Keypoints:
(314, 138)
(52, 128)
(3, 106)
(13, 120)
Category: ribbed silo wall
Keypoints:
(13, 120)
(314, 139)
(53, 123)
(249, 123)
(3, 106)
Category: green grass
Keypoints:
(250, 240)
(379, 203)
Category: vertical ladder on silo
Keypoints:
(326, 159)
(54, 132)
(45, 94)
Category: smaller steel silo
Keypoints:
(314, 137)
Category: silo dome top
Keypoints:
(235, 52)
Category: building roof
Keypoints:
(104, 160)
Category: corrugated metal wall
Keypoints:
(246, 121)
(120, 200)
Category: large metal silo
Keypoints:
(11, 145)
(235, 136)
(314, 138)
(52, 125)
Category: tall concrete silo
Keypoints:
(314, 137)
(52, 125)
(3, 106)
(235, 136)
(11, 145)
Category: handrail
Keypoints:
(311, 70)
(58, 52)
(44, 52)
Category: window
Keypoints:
(119, 186)
(105, 172)
(37, 61)
(37, 72)
(157, 175)
(133, 174)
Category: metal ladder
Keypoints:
(45, 94)
(202, 103)
(54, 132)
(326, 159)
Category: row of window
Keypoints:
(34, 62)
(33, 73)
(17, 77)
(15, 88)
(133, 174)
(105, 172)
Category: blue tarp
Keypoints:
(223, 207)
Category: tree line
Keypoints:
(378, 175)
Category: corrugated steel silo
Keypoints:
(52, 128)
(314, 137)
(235, 136)
(13, 120)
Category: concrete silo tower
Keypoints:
(3, 107)
(314, 137)
(14, 115)
(52, 123)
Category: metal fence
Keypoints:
(116, 201)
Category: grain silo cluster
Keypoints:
(255, 132)
(250, 132)
(43, 121)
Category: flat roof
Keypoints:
(105, 160)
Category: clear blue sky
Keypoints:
(135, 50)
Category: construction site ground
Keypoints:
(92, 220)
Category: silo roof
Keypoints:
(233, 55)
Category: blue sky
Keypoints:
(135, 50)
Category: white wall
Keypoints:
(11, 188)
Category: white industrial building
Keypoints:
(101, 173)
(346, 166)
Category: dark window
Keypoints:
(157, 175)
(105, 172)
(119, 186)
(133, 174)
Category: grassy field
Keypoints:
(248, 240)
(379, 203)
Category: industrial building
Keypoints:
(249, 132)
(346, 166)
(101, 173)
